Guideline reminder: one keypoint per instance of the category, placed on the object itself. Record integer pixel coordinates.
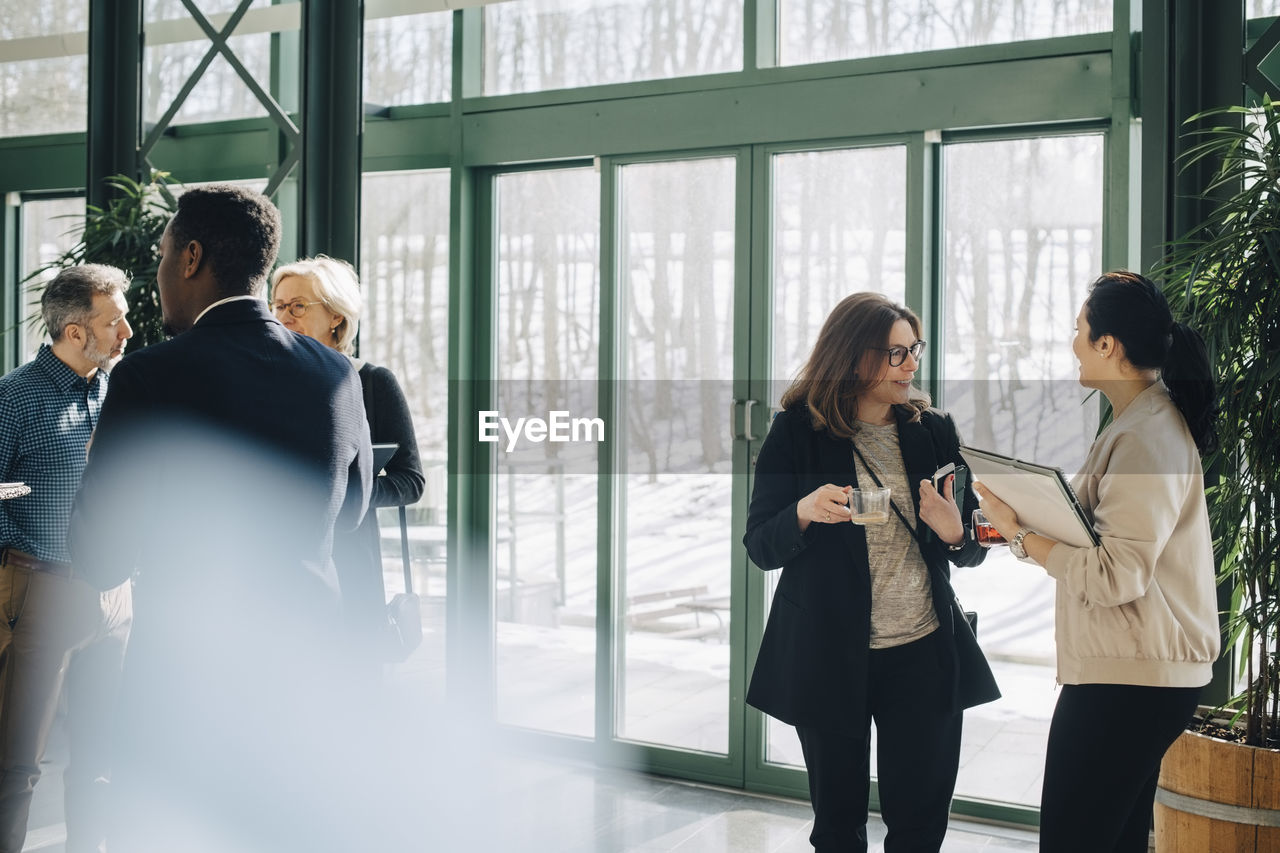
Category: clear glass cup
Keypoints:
(869, 506)
(985, 532)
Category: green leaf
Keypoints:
(1223, 276)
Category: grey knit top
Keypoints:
(901, 593)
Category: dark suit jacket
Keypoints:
(222, 462)
(812, 666)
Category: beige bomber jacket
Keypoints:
(1141, 607)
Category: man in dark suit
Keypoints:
(223, 460)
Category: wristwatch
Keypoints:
(1016, 548)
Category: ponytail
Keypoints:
(1189, 378)
(1131, 308)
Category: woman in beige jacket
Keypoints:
(1136, 622)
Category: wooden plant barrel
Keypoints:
(1218, 797)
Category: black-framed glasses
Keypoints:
(297, 307)
(897, 355)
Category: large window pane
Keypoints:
(408, 59)
(24, 19)
(826, 30)
(677, 280)
(559, 44)
(176, 44)
(219, 94)
(545, 491)
(44, 96)
(839, 226)
(404, 260)
(46, 227)
(49, 93)
(156, 10)
(1018, 264)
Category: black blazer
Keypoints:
(358, 555)
(222, 462)
(812, 666)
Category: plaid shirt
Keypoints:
(47, 414)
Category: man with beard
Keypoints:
(224, 460)
(56, 628)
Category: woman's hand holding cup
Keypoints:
(827, 504)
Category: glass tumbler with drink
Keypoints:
(985, 532)
(869, 506)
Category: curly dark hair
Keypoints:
(239, 230)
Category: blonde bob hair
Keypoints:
(337, 287)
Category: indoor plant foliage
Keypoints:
(125, 234)
(1224, 280)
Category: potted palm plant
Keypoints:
(1220, 783)
(125, 234)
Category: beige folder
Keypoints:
(1041, 495)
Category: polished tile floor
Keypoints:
(637, 813)
(545, 805)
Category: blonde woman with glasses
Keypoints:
(320, 297)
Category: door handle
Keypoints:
(745, 434)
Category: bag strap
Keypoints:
(903, 518)
(404, 549)
(892, 505)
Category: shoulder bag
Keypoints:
(404, 611)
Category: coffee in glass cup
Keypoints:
(869, 506)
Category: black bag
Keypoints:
(404, 611)
(975, 683)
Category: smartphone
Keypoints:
(958, 487)
(961, 484)
(940, 476)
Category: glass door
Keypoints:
(619, 297)
(672, 298)
(1017, 266)
(834, 222)
(543, 436)
(1010, 271)
(678, 279)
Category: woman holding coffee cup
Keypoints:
(861, 625)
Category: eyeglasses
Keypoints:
(297, 307)
(897, 355)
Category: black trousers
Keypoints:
(1103, 759)
(918, 756)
